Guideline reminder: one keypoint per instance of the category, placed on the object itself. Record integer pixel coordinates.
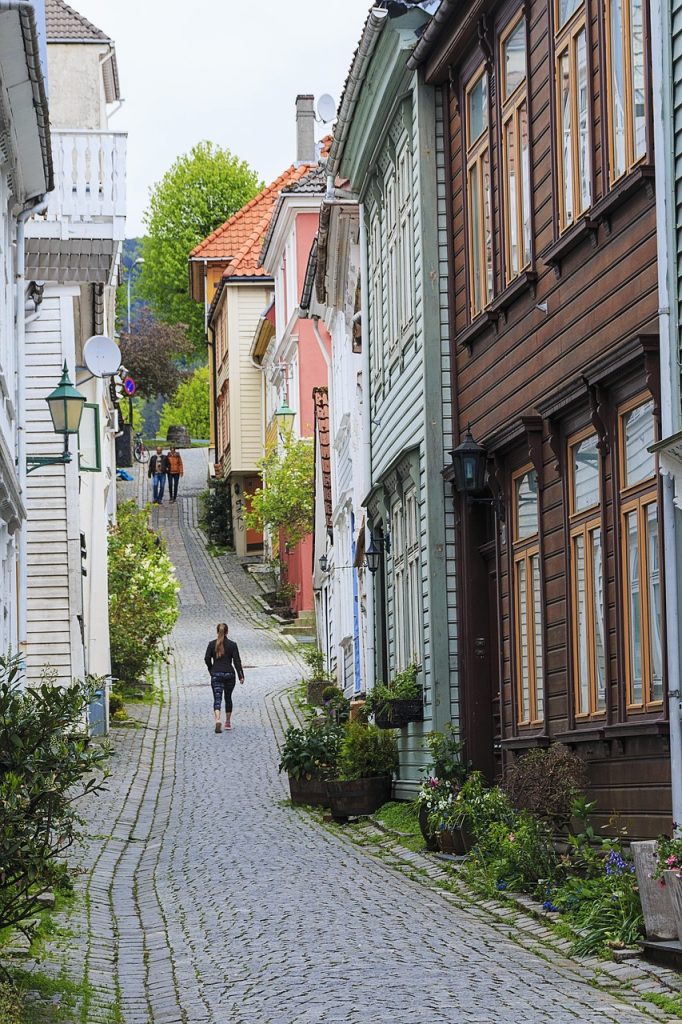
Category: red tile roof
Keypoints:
(240, 238)
(63, 24)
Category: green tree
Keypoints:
(190, 407)
(201, 190)
(285, 502)
(152, 354)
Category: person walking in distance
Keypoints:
(158, 468)
(223, 661)
(175, 471)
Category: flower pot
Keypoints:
(429, 835)
(399, 713)
(456, 841)
(673, 883)
(657, 908)
(351, 798)
(316, 688)
(312, 792)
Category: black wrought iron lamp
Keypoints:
(324, 564)
(469, 469)
(377, 546)
(66, 408)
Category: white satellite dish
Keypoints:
(326, 108)
(102, 356)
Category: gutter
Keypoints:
(423, 48)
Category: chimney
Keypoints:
(305, 130)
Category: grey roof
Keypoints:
(63, 24)
(314, 183)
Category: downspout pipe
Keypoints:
(370, 666)
(210, 341)
(39, 205)
(671, 416)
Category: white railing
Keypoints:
(89, 176)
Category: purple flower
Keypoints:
(548, 905)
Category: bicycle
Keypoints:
(140, 451)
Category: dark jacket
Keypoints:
(163, 465)
(229, 659)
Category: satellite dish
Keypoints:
(326, 108)
(102, 356)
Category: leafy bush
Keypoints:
(46, 765)
(11, 1005)
(446, 755)
(367, 752)
(403, 686)
(314, 659)
(605, 908)
(546, 782)
(142, 594)
(285, 501)
(216, 517)
(190, 406)
(513, 855)
(311, 753)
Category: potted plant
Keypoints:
(335, 705)
(368, 759)
(309, 758)
(318, 680)
(399, 702)
(446, 773)
(668, 875)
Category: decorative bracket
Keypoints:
(533, 428)
(599, 415)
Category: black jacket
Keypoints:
(229, 659)
(163, 465)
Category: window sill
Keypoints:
(525, 742)
(623, 730)
(478, 326)
(525, 282)
(642, 176)
(592, 734)
(554, 254)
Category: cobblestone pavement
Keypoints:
(207, 899)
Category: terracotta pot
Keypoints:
(312, 792)
(351, 798)
(673, 883)
(659, 920)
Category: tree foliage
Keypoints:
(286, 500)
(201, 190)
(142, 594)
(190, 407)
(46, 765)
(152, 354)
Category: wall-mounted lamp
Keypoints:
(377, 545)
(66, 408)
(469, 468)
(324, 564)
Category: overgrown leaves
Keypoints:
(285, 501)
(190, 407)
(152, 353)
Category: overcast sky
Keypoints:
(225, 71)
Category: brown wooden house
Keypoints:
(555, 367)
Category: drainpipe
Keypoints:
(38, 206)
(211, 344)
(370, 665)
(671, 419)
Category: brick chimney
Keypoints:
(305, 129)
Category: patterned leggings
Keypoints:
(222, 684)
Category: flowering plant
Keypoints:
(668, 856)
(440, 798)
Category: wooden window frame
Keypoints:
(637, 498)
(376, 294)
(631, 161)
(510, 111)
(412, 573)
(475, 154)
(405, 241)
(585, 523)
(565, 39)
(392, 262)
(524, 551)
(398, 566)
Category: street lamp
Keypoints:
(469, 470)
(324, 564)
(377, 545)
(140, 259)
(66, 408)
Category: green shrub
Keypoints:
(367, 752)
(446, 756)
(605, 908)
(46, 764)
(403, 686)
(11, 1008)
(546, 783)
(116, 705)
(514, 856)
(314, 659)
(216, 514)
(142, 594)
(312, 752)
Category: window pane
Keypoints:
(565, 9)
(634, 608)
(638, 435)
(487, 214)
(598, 612)
(514, 59)
(537, 638)
(527, 505)
(617, 88)
(653, 566)
(478, 109)
(585, 468)
(475, 231)
(638, 93)
(522, 634)
(582, 639)
(566, 143)
(583, 123)
(512, 218)
(525, 181)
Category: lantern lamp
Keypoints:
(66, 408)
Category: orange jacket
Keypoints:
(174, 463)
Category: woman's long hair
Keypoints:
(220, 642)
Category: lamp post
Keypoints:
(469, 471)
(140, 259)
(66, 408)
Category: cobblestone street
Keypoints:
(207, 899)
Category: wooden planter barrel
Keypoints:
(316, 688)
(312, 792)
(349, 799)
(399, 713)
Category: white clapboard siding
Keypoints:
(246, 303)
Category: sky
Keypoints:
(224, 70)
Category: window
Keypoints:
(627, 115)
(573, 115)
(376, 293)
(90, 459)
(413, 600)
(406, 580)
(392, 264)
(527, 598)
(641, 562)
(587, 576)
(515, 149)
(398, 552)
(479, 212)
(405, 240)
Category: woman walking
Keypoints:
(223, 661)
